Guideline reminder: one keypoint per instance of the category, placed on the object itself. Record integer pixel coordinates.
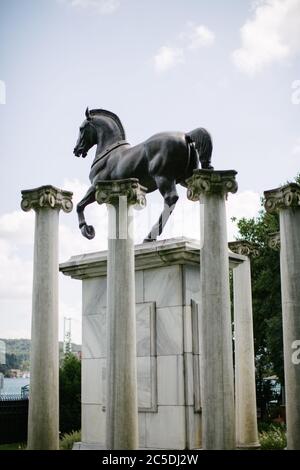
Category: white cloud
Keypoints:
(198, 36)
(101, 6)
(185, 220)
(15, 273)
(168, 57)
(192, 38)
(271, 36)
(17, 227)
(244, 204)
(16, 241)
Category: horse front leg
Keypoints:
(168, 190)
(87, 231)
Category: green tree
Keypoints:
(266, 295)
(70, 394)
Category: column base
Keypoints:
(88, 446)
(251, 446)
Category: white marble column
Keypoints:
(43, 419)
(286, 201)
(245, 388)
(216, 361)
(121, 396)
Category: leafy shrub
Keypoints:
(67, 440)
(272, 437)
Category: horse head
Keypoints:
(100, 127)
(87, 136)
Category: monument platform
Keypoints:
(167, 286)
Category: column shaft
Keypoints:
(286, 201)
(43, 423)
(121, 389)
(216, 361)
(122, 408)
(245, 389)
(43, 418)
(215, 335)
(290, 290)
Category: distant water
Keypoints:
(13, 386)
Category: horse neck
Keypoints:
(107, 136)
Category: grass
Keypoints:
(14, 446)
(67, 440)
(271, 437)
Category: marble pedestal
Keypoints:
(166, 297)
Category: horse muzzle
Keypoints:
(80, 152)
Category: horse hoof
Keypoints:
(88, 231)
(147, 240)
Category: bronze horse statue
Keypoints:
(161, 162)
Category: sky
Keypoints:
(231, 67)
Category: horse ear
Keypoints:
(87, 114)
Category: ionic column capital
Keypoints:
(46, 197)
(285, 197)
(109, 192)
(274, 241)
(243, 247)
(211, 182)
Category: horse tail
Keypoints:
(203, 144)
(192, 157)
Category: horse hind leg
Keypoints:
(167, 188)
(87, 231)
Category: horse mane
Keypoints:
(114, 117)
